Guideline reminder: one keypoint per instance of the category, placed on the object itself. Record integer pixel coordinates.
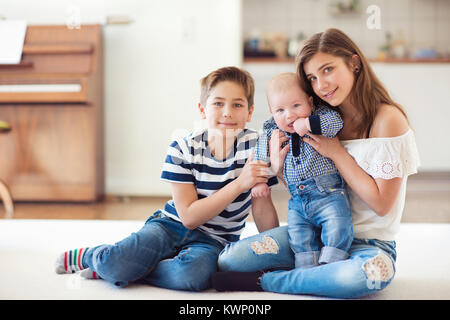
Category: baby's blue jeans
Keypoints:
(319, 221)
(163, 253)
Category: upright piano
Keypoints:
(53, 103)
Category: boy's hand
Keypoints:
(302, 126)
(253, 172)
(260, 190)
(278, 154)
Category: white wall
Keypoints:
(152, 72)
(422, 89)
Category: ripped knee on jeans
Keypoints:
(269, 245)
(379, 268)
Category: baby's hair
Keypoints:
(239, 76)
(283, 81)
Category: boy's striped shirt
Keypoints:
(189, 160)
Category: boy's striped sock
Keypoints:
(70, 261)
(89, 274)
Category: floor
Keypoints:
(427, 200)
(416, 278)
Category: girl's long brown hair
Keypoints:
(368, 92)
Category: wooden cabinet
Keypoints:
(53, 102)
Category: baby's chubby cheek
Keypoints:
(283, 125)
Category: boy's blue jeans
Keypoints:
(163, 253)
(319, 221)
(354, 277)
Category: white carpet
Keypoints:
(28, 249)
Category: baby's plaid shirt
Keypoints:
(302, 161)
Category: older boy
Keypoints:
(210, 177)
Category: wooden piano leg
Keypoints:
(5, 195)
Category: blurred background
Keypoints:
(155, 52)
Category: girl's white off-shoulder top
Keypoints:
(384, 158)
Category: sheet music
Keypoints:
(12, 36)
(68, 87)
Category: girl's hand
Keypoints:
(327, 147)
(277, 154)
(253, 172)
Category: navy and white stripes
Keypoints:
(189, 160)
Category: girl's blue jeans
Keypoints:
(319, 220)
(369, 268)
(163, 253)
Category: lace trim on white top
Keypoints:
(386, 158)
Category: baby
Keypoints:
(319, 217)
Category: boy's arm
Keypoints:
(264, 213)
(278, 153)
(194, 212)
(262, 154)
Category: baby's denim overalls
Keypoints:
(319, 220)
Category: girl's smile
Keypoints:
(330, 94)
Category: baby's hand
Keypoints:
(260, 190)
(301, 126)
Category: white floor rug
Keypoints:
(28, 249)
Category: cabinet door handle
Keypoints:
(4, 126)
